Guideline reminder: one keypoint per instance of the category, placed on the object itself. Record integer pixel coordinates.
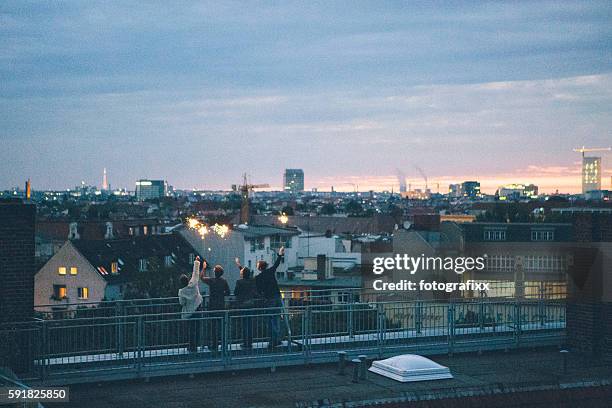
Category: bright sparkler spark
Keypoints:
(203, 229)
(220, 230)
(283, 218)
(193, 223)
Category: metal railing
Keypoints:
(295, 297)
(142, 345)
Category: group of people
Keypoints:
(250, 292)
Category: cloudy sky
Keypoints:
(199, 93)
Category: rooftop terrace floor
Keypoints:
(516, 378)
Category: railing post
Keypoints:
(351, 330)
(380, 314)
(418, 316)
(542, 305)
(44, 354)
(140, 342)
(481, 312)
(306, 330)
(517, 322)
(119, 321)
(225, 338)
(451, 327)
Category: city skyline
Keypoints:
(200, 94)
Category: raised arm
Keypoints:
(195, 273)
(281, 254)
(238, 264)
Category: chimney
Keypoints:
(321, 264)
(73, 232)
(28, 190)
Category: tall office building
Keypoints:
(470, 189)
(150, 189)
(17, 267)
(293, 180)
(591, 174)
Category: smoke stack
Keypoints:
(28, 190)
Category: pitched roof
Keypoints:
(337, 225)
(257, 231)
(127, 253)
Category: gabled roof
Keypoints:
(127, 253)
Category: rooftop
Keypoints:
(490, 379)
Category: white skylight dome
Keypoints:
(410, 367)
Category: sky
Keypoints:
(199, 93)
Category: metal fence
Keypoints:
(140, 345)
(300, 297)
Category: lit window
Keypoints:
(145, 230)
(61, 270)
(142, 265)
(74, 270)
(131, 231)
(59, 292)
(83, 293)
(168, 261)
(114, 267)
(191, 258)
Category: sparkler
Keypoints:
(283, 218)
(221, 230)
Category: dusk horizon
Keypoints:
(201, 94)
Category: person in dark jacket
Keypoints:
(218, 290)
(267, 286)
(246, 294)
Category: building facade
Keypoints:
(591, 174)
(293, 180)
(151, 189)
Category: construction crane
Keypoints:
(245, 189)
(592, 149)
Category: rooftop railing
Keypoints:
(84, 349)
(292, 297)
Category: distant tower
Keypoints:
(28, 190)
(104, 181)
(591, 174)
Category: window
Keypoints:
(145, 230)
(83, 293)
(542, 235)
(114, 267)
(59, 292)
(495, 235)
(142, 265)
(277, 241)
(131, 231)
(168, 261)
(545, 263)
(74, 270)
(500, 262)
(61, 270)
(191, 258)
(257, 244)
